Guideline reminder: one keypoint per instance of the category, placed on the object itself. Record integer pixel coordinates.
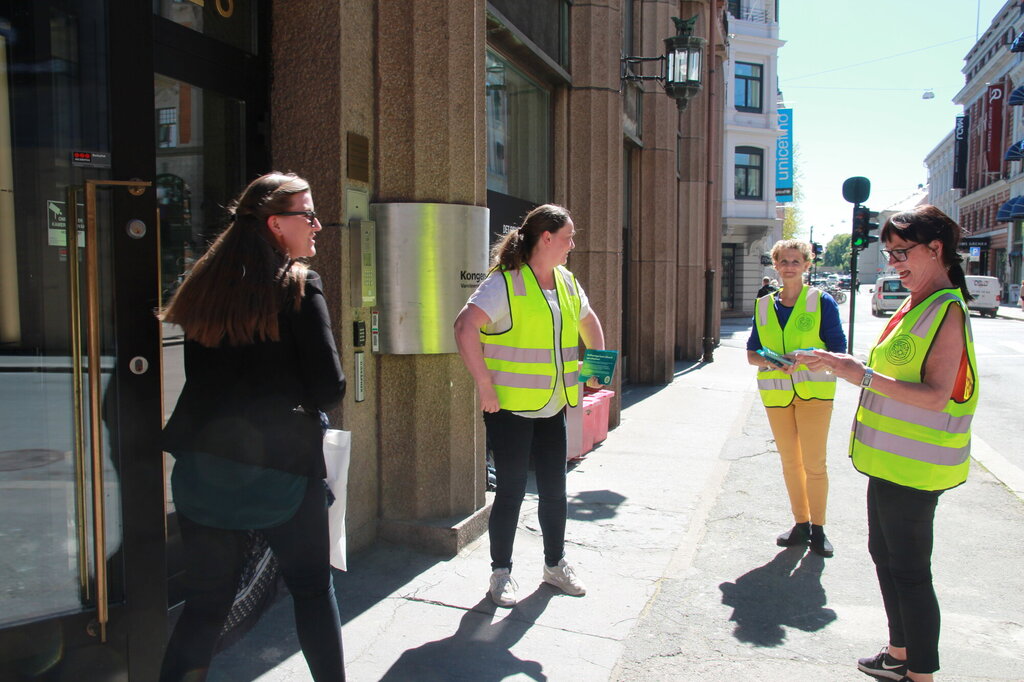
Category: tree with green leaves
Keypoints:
(837, 252)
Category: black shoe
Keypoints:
(819, 543)
(883, 666)
(798, 535)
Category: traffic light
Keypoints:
(818, 250)
(863, 223)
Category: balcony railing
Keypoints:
(756, 14)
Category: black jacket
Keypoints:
(258, 403)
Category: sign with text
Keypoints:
(599, 364)
(57, 223)
(784, 157)
(963, 124)
(994, 103)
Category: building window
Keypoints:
(734, 8)
(749, 172)
(748, 87)
(518, 133)
(167, 128)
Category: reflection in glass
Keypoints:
(518, 133)
(46, 551)
(229, 21)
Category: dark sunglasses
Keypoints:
(310, 215)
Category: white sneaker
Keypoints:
(564, 578)
(503, 587)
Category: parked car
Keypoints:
(889, 293)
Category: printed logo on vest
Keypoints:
(901, 350)
(805, 322)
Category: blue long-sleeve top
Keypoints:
(831, 333)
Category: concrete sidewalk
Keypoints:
(672, 524)
(1011, 312)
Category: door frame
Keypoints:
(137, 628)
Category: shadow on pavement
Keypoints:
(479, 649)
(635, 393)
(373, 575)
(775, 595)
(594, 505)
(376, 573)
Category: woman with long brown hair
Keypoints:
(260, 368)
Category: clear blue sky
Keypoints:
(854, 74)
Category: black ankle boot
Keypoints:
(799, 534)
(819, 543)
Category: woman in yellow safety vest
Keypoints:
(798, 401)
(519, 337)
(912, 432)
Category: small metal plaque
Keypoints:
(91, 159)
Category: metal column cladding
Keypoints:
(430, 258)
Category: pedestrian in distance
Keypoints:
(260, 368)
(912, 432)
(766, 287)
(519, 337)
(798, 400)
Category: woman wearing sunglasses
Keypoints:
(798, 402)
(912, 432)
(260, 366)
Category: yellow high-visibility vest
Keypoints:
(803, 330)
(522, 359)
(905, 444)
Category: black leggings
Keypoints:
(900, 533)
(512, 439)
(213, 565)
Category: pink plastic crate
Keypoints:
(596, 407)
(602, 401)
(590, 410)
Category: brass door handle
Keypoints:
(92, 284)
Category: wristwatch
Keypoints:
(869, 374)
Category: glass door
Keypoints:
(200, 162)
(125, 127)
(77, 347)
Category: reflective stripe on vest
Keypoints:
(803, 330)
(910, 445)
(522, 359)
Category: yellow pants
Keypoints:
(801, 435)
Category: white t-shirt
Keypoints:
(492, 298)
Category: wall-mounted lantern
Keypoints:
(680, 65)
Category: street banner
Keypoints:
(784, 158)
(963, 124)
(994, 127)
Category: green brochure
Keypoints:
(600, 364)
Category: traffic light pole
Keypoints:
(856, 190)
(854, 279)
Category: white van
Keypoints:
(987, 293)
(889, 293)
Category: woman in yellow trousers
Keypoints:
(798, 402)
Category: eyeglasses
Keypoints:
(310, 215)
(898, 255)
